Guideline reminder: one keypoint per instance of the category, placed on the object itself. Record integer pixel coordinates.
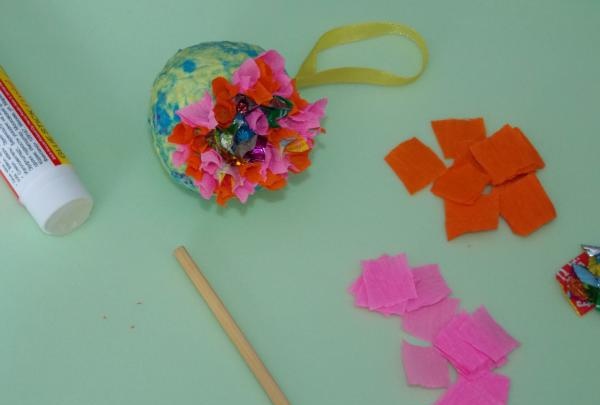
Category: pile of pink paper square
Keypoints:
(474, 343)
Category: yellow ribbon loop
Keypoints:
(308, 76)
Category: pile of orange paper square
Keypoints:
(490, 177)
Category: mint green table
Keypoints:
(106, 316)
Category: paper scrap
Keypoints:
(483, 215)
(430, 287)
(507, 154)
(385, 285)
(456, 135)
(359, 291)
(424, 366)
(489, 389)
(475, 344)
(426, 322)
(525, 205)
(415, 164)
(467, 360)
(462, 183)
(483, 333)
(388, 281)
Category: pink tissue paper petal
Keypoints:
(425, 323)
(277, 64)
(489, 389)
(211, 161)
(246, 75)
(257, 121)
(307, 121)
(278, 163)
(424, 366)
(486, 335)
(467, 360)
(199, 114)
(206, 186)
(274, 59)
(242, 188)
(430, 285)
(388, 281)
(180, 155)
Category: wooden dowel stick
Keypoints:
(228, 324)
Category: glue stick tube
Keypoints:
(36, 170)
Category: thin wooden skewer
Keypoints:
(228, 324)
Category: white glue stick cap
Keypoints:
(57, 200)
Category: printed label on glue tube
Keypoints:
(25, 145)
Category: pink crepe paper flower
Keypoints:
(242, 188)
(277, 64)
(306, 121)
(180, 155)
(276, 161)
(257, 121)
(246, 75)
(206, 186)
(199, 114)
(211, 162)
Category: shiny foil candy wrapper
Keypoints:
(579, 280)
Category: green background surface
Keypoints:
(283, 262)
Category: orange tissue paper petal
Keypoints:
(199, 144)
(525, 205)
(259, 93)
(222, 89)
(194, 173)
(462, 183)
(483, 215)
(273, 181)
(507, 154)
(415, 164)
(299, 161)
(456, 135)
(181, 135)
(225, 190)
(251, 171)
(298, 102)
(266, 76)
(276, 135)
(224, 112)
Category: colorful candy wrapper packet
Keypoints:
(579, 280)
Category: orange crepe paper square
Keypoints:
(415, 164)
(507, 154)
(525, 205)
(462, 183)
(455, 136)
(483, 215)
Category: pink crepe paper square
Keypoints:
(467, 360)
(430, 286)
(489, 389)
(388, 281)
(358, 289)
(486, 335)
(497, 385)
(425, 323)
(424, 366)
(396, 309)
